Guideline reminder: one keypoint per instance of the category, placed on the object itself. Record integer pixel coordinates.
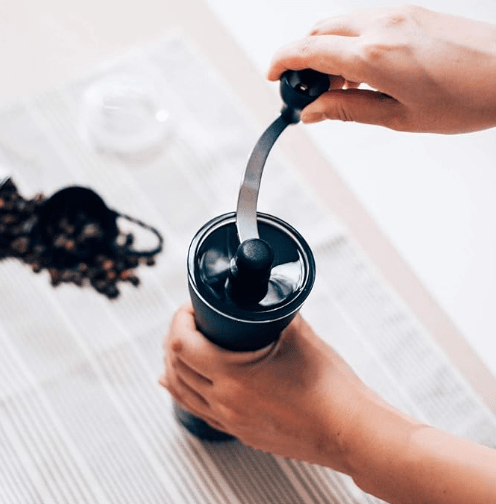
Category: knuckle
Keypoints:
(377, 49)
(318, 28)
(395, 18)
(305, 47)
(398, 16)
(371, 51)
(342, 112)
(175, 344)
(392, 28)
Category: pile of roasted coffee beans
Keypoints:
(68, 236)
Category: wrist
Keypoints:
(403, 461)
(381, 434)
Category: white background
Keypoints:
(433, 196)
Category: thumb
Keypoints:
(358, 105)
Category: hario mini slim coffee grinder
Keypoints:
(249, 273)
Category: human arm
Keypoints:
(300, 400)
(424, 71)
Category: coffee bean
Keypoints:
(66, 276)
(59, 241)
(78, 278)
(82, 267)
(21, 245)
(9, 219)
(20, 205)
(112, 292)
(68, 236)
(100, 285)
(70, 245)
(91, 231)
(55, 277)
(134, 280)
(108, 264)
(126, 275)
(111, 275)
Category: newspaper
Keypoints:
(82, 417)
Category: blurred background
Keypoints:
(433, 196)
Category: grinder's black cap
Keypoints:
(250, 271)
(252, 261)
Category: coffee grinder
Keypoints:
(249, 272)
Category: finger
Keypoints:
(215, 424)
(181, 397)
(195, 380)
(203, 357)
(183, 320)
(185, 340)
(357, 105)
(251, 357)
(329, 54)
(267, 353)
(354, 24)
(345, 26)
(187, 396)
(200, 414)
(176, 369)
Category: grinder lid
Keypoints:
(284, 264)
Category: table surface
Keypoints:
(52, 42)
